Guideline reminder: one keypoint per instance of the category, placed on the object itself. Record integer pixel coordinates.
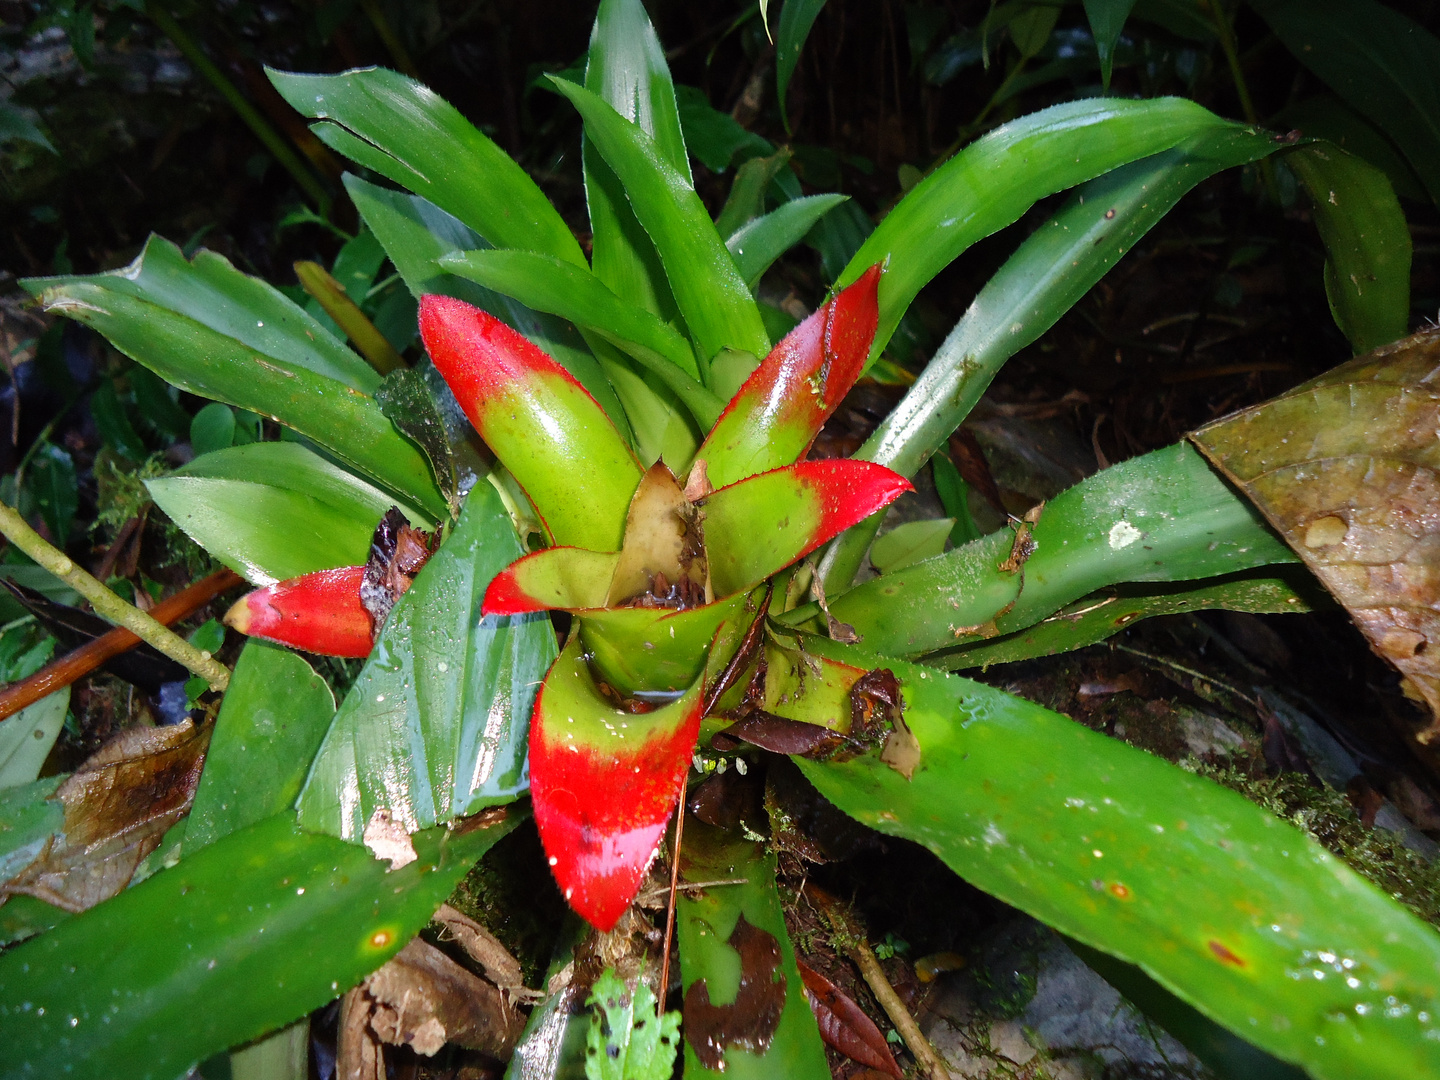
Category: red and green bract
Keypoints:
(606, 765)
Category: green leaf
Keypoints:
(746, 200)
(1230, 908)
(409, 134)
(954, 496)
(435, 725)
(550, 285)
(18, 123)
(416, 233)
(912, 542)
(1381, 62)
(1325, 116)
(262, 926)
(205, 362)
(662, 427)
(272, 718)
(211, 292)
(796, 19)
(1049, 272)
(758, 244)
(997, 178)
(625, 1040)
(114, 423)
(1096, 617)
(27, 737)
(212, 428)
(705, 920)
(714, 137)
(1367, 244)
(712, 296)
(405, 397)
(50, 479)
(272, 511)
(28, 818)
(1163, 516)
(1107, 20)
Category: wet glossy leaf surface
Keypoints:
(731, 937)
(262, 926)
(272, 718)
(406, 399)
(435, 724)
(1222, 903)
(1345, 467)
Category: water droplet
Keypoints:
(554, 861)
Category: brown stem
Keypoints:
(79, 663)
(853, 938)
(670, 909)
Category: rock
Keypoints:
(1007, 1038)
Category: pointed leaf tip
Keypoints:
(582, 751)
(318, 613)
(540, 422)
(776, 415)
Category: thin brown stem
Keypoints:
(80, 662)
(670, 908)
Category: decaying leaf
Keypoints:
(406, 398)
(777, 734)
(398, 551)
(118, 805)
(1347, 468)
(422, 999)
(748, 1022)
(626, 1040)
(485, 949)
(876, 711)
(844, 1025)
(662, 561)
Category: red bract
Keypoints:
(319, 613)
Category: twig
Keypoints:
(107, 604)
(78, 663)
(1173, 665)
(670, 909)
(853, 937)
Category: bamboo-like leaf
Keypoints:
(1049, 272)
(705, 921)
(416, 234)
(1230, 908)
(759, 243)
(435, 725)
(263, 926)
(1164, 516)
(272, 718)
(710, 292)
(1107, 20)
(1367, 244)
(997, 178)
(796, 19)
(408, 133)
(272, 511)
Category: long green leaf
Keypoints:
(796, 19)
(1164, 516)
(416, 233)
(1386, 65)
(1049, 272)
(435, 725)
(1228, 907)
(272, 718)
(211, 292)
(1107, 20)
(997, 178)
(1367, 244)
(710, 292)
(703, 922)
(547, 284)
(409, 134)
(1096, 617)
(205, 362)
(757, 244)
(237, 940)
(626, 67)
(272, 511)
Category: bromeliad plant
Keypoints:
(667, 521)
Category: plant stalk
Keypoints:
(107, 604)
(670, 908)
(271, 138)
(331, 296)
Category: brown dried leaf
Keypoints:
(423, 999)
(483, 947)
(748, 1022)
(662, 562)
(777, 734)
(1347, 468)
(118, 805)
(387, 839)
(398, 551)
(844, 1025)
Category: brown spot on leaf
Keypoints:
(1121, 892)
(748, 1022)
(1224, 955)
